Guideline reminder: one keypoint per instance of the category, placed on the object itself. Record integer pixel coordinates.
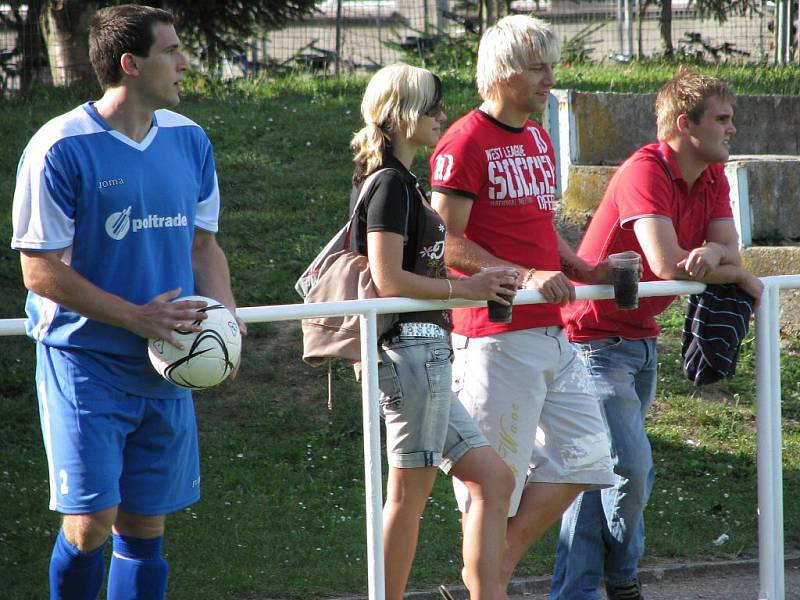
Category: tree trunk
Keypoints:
(488, 15)
(665, 23)
(30, 39)
(65, 28)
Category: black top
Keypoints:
(397, 204)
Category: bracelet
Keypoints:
(449, 290)
(528, 277)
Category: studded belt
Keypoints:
(423, 330)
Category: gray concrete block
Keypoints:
(766, 125)
(765, 191)
(778, 260)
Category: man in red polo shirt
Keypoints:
(670, 203)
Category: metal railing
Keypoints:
(768, 404)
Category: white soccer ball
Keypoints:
(208, 356)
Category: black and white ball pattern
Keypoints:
(208, 356)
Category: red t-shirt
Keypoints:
(510, 175)
(648, 184)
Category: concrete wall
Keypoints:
(772, 197)
(778, 260)
(607, 127)
(586, 188)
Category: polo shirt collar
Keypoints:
(390, 161)
(667, 155)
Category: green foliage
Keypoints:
(577, 49)
(223, 26)
(695, 49)
(444, 54)
(720, 10)
(648, 76)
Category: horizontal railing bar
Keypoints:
(12, 326)
(290, 312)
(287, 312)
(782, 282)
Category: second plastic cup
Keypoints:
(500, 313)
(625, 266)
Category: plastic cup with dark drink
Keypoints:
(501, 313)
(626, 266)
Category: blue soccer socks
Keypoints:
(138, 571)
(75, 575)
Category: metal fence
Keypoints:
(370, 33)
(354, 35)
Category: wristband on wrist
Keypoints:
(528, 277)
(449, 290)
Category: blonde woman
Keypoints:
(426, 426)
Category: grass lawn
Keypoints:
(282, 514)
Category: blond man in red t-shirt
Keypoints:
(494, 180)
(670, 203)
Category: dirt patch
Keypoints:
(273, 380)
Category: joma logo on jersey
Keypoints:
(107, 183)
(118, 224)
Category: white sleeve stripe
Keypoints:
(647, 216)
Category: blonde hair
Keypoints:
(395, 98)
(512, 45)
(686, 94)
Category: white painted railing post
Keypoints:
(372, 455)
(769, 436)
(765, 459)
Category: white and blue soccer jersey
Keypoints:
(123, 215)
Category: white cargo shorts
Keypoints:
(536, 403)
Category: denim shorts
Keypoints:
(426, 425)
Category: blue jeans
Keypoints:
(602, 532)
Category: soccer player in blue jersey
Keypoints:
(115, 213)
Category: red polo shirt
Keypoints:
(648, 184)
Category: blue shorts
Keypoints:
(108, 448)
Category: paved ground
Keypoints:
(728, 580)
(732, 584)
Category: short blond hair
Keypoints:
(686, 94)
(395, 98)
(512, 45)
